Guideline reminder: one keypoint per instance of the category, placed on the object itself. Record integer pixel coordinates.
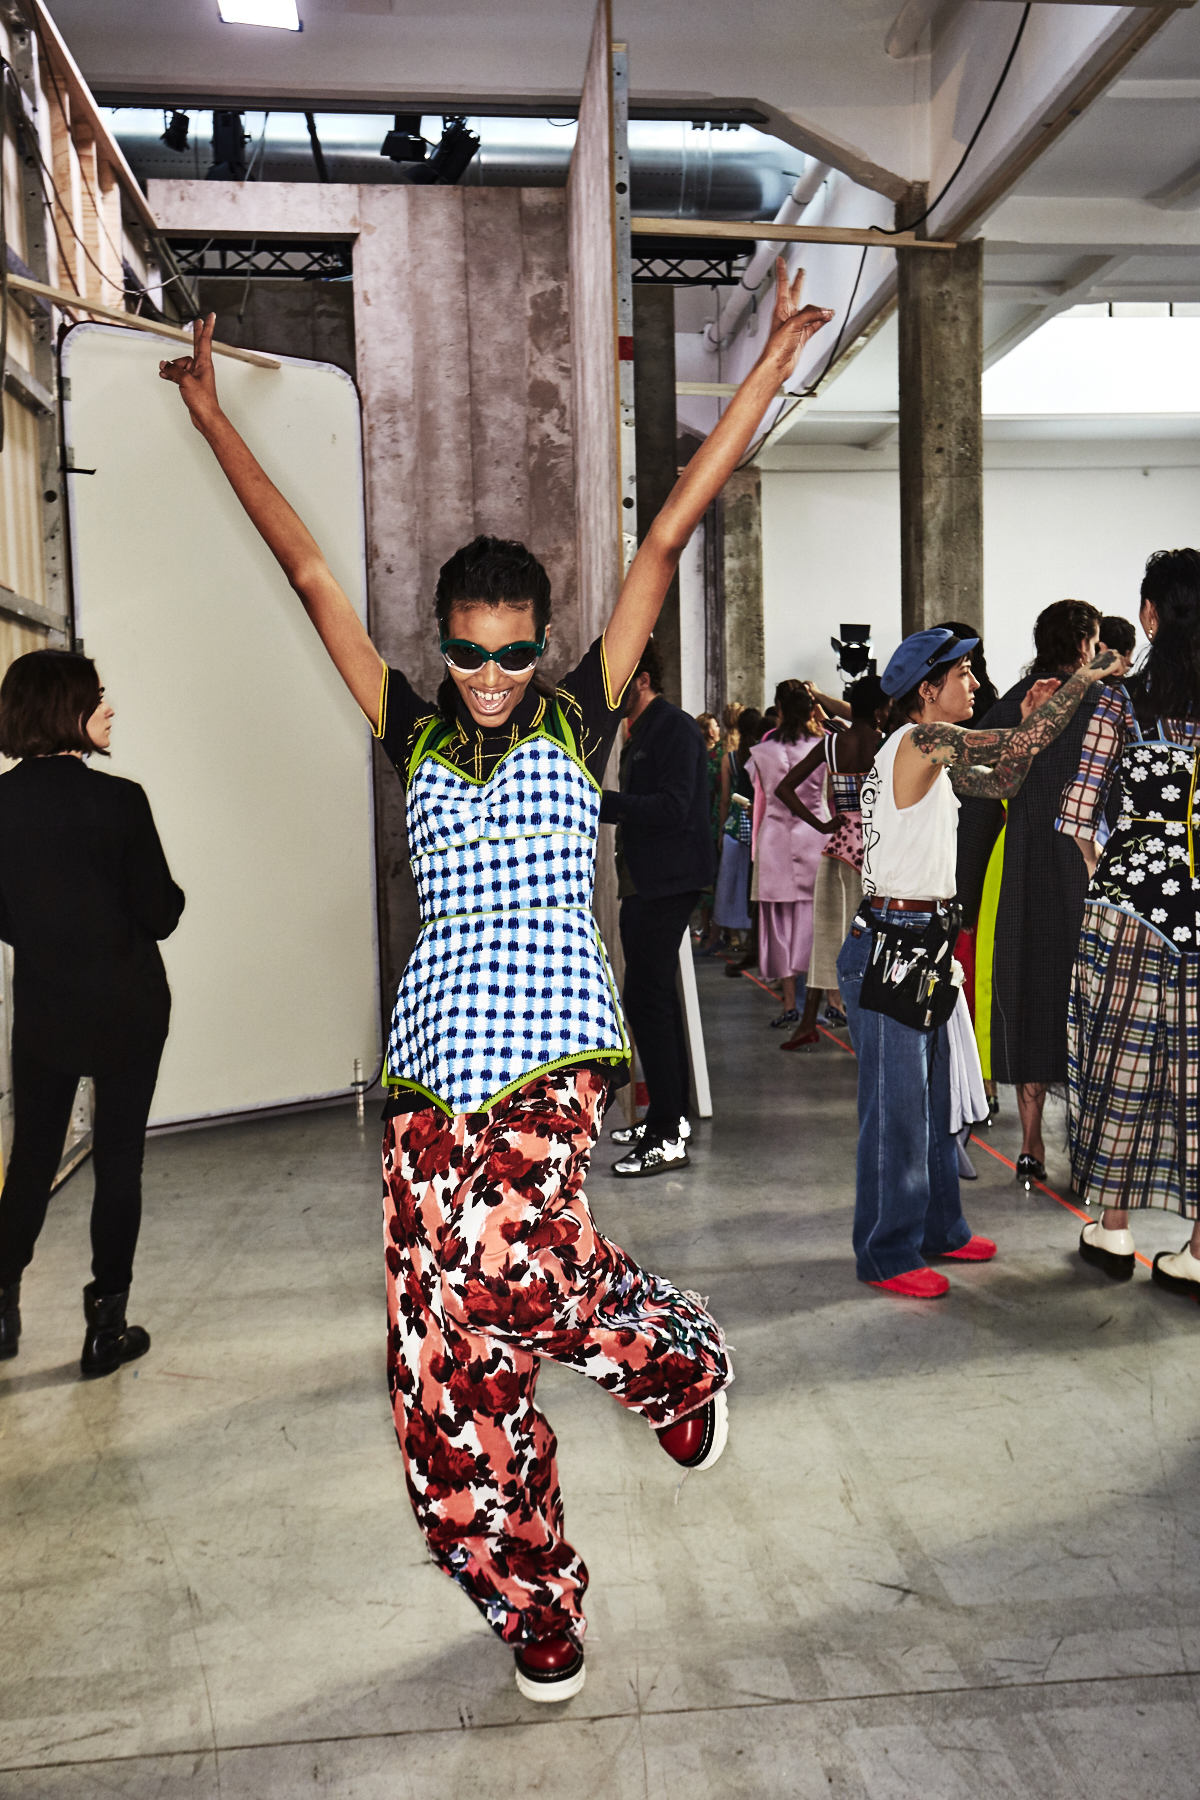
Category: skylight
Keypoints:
(281, 14)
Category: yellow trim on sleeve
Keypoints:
(380, 727)
(608, 694)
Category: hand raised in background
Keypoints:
(791, 325)
(195, 376)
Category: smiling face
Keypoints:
(492, 695)
(99, 726)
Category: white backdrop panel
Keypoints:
(230, 715)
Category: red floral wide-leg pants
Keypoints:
(494, 1261)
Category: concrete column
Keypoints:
(741, 561)
(941, 435)
(655, 428)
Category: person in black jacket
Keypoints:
(85, 892)
(665, 857)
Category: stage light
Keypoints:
(452, 157)
(854, 653)
(281, 14)
(175, 137)
(404, 142)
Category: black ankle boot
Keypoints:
(10, 1319)
(109, 1341)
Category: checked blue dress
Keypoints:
(1134, 1020)
(509, 978)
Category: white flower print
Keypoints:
(1158, 914)
(1174, 828)
(1139, 856)
(1154, 843)
(1136, 875)
(1181, 934)
(1156, 868)
(1117, 869)
(1170, 793)
(1179, 853)
(1170, 887)
(1160, 768)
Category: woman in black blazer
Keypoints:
(85, 892)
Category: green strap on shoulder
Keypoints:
(437, 732)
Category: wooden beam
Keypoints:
(28, 612)
(83, 106)
(75, 303)
(766, 229)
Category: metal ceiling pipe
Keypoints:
(724, 329)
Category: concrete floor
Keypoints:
(951, 1550)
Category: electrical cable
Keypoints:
(987, 113)
(115, 248)
(808, 392)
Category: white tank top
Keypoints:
(909, 853)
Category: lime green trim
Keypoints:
(564, 1062)
(985, 950)
(377, 730)
(564, 737)
(608, 693)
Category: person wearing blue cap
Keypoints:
(907, 1206)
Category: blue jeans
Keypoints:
(906, 1204)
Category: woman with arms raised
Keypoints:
(506, 1039)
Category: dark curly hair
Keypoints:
(489, 571)
(1167, 685)
(1058, 633)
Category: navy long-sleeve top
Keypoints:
(663, 806)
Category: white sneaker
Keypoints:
(653, 1156)
(633, 1134)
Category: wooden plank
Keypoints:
(83, 106)
(766, 229)
(112, 314)
(28, 612)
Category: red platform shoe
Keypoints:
(698, 1441)
(976, 1249)
(915, 1284)
(551, 1669)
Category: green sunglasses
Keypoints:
(468, 658)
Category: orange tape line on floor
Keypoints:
(1067, 1205)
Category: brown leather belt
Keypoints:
(906, 905)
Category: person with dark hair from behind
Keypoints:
(1133, 1110)
(1043, 884)
(85, 895)
(507, 1037)
(1118, 633)
(987, 693)
(665, 858)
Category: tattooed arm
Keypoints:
(994, 763)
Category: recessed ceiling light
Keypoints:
(281, 14)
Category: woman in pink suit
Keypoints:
(787, 852)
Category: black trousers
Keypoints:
(42, 1101)
(651, 931)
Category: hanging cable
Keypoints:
(987, 113)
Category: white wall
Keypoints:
(831, 552)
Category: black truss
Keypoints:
(276, 259)
(690, 262)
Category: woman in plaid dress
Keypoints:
(1134, 1023)
(506, 1037)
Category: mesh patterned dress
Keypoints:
(1134, 1022)
(504, 1044)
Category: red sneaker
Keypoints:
(916, 1284)
(550, 1669)
(976, 1249)
(697, 1441)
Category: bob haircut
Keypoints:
(46, 700)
